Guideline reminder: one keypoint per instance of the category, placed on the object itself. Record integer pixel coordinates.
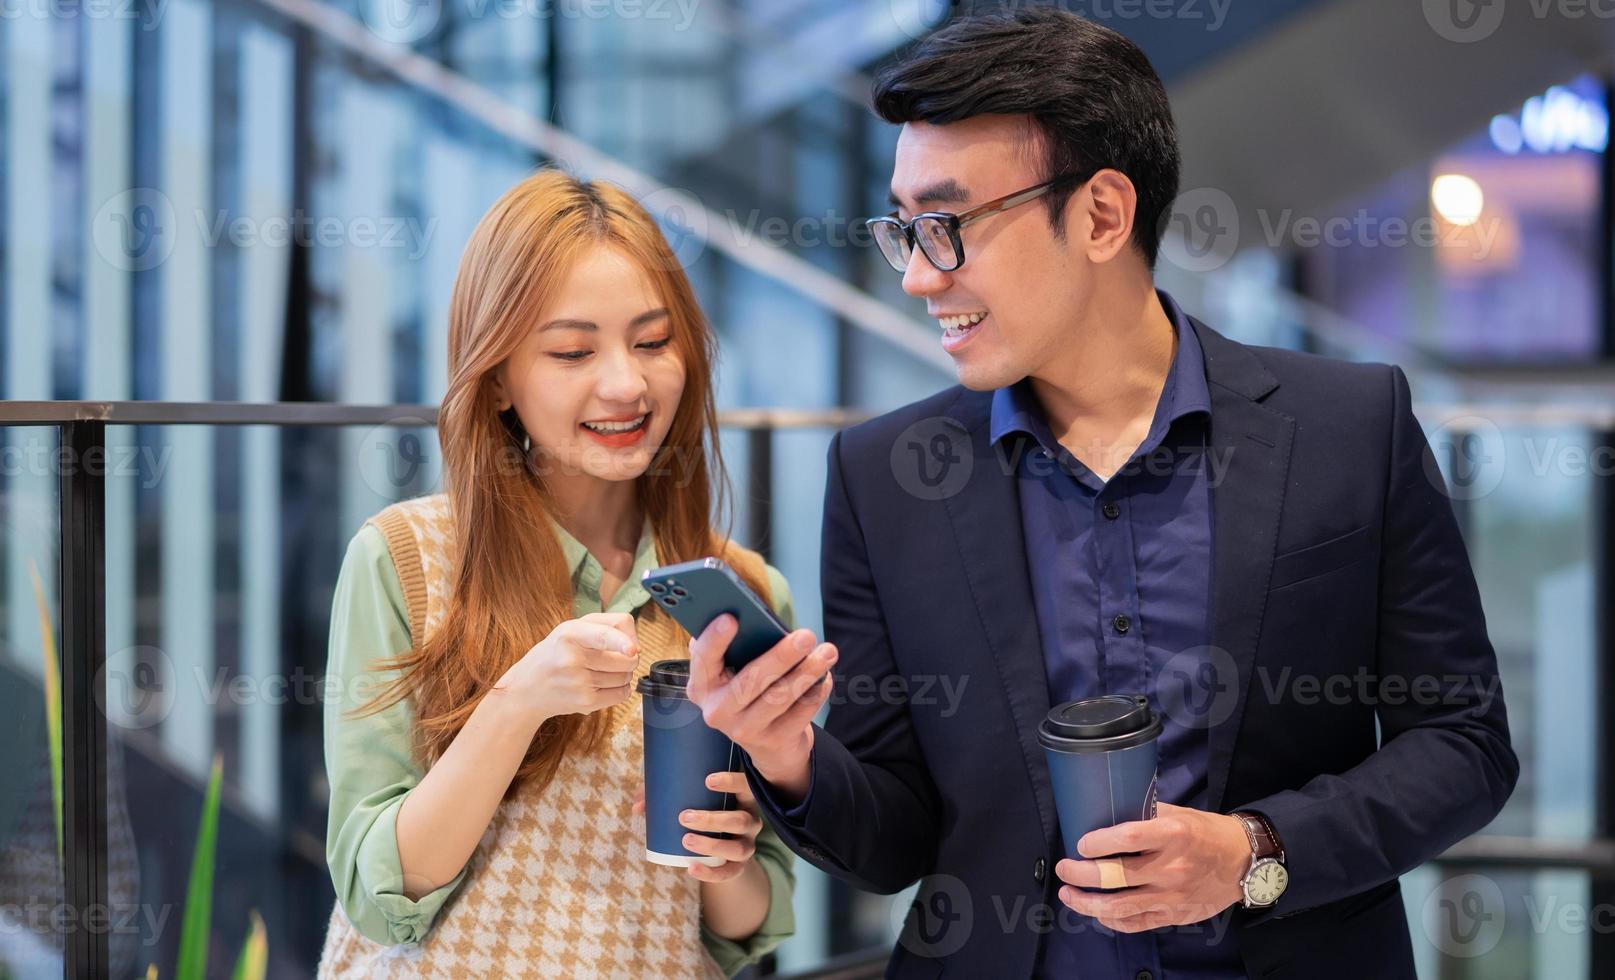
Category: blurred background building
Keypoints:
(264, 201)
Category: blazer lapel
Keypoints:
(986, 517)
(1249, 446)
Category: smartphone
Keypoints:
(695, 593)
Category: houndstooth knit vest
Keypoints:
(558, 886)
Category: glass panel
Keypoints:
(236, 547)
(31, 892)
(1502, 925)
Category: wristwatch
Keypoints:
(1266, 878)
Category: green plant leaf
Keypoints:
(53, 700)
(254, 958)
(193, 934)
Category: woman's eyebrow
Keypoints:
(567, 323)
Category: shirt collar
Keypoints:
(587, 572)
(1016, 408)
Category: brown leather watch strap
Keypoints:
(1264, 839)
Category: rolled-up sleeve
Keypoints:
(368, 758)
(776, 859)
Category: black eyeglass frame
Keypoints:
(952, 223)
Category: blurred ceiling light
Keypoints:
(1554, 122)
(1457, 198)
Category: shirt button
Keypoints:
(1143, 975)
(1040, 870)
(1112, 511)
(1122, 624)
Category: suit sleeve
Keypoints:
(1445, 766)
(870, 816)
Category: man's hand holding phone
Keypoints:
(768, 707)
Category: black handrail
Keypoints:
(341, 414)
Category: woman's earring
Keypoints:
(527, 443)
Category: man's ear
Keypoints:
(1110, 202)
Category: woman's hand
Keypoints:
(582, 666)
(744, 823)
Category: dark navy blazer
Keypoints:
(1336, 555)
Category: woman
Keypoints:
(484, 814)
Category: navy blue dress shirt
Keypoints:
(1121, 576)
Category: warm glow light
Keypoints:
(1457, 198)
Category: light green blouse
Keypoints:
(371, 768)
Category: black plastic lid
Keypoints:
(667, 679)
(1102, 724)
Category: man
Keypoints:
(1116, 499)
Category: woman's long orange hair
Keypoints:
(511, 583)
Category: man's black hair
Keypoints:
(1091, 93)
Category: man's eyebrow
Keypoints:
(588, 325)
(946, 191)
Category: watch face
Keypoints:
(1266, 883)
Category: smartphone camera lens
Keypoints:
(669, 601)
(678, 591)
(658, 588)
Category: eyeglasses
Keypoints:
(937, 232)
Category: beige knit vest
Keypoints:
(559, 885)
